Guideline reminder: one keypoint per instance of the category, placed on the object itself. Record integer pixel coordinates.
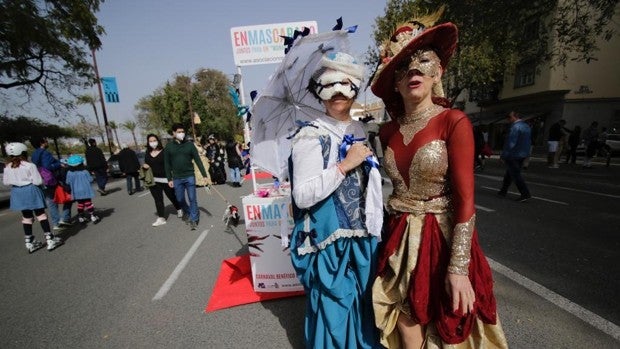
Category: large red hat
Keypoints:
(405, 41)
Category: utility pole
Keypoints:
(101, 99)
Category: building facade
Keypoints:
(578, 92)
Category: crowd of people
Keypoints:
(46, 184)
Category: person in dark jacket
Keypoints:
(154, 160)
(573, 142)
(516, 149)
(43, 158)
(97, 165)
(215, 154)
(178, 156)
(130, 165)
(235, 163)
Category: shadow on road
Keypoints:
(77, 227)
(290, 314)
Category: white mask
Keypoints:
(332, 82)
(153, 145)
(180, 136)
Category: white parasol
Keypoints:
(285, 100)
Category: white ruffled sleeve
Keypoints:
(312, 183)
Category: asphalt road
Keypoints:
(555, 261)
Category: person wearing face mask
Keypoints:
(434, 287)
(154, 161)
(337, 210)
(179, 169)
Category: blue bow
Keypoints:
(347, 142)
(302, 235)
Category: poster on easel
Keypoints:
(267, 220)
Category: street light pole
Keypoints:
(191, 109)
(105, 116)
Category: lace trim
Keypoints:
(461, 247)
(338, 234)
(411, 124)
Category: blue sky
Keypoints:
(149, 41)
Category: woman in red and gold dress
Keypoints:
(434, 287)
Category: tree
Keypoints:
(45, 48)
(114, 127)
(131, 127)
(92, 100)
(23, 129)
(208, 90)
(85, 130)
(494, 36)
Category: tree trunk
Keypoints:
(118, 143)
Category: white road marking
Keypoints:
(554, 186)
(179, 269)
(559, 301)
(485, 209)
(145, 194)
(578, 190)
(533, 197)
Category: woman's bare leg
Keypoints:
(411, 333)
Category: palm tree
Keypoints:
(114, 127)
(131, 127)
(92, 100)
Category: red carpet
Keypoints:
(258, 175)
(234, 286)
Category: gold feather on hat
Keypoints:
(407, 31)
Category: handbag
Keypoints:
(61, 196)
(48, 177)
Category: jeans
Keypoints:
(53, 208)
(182, 185)
(136, 178)
(101, 176)
(235, 175)
(513, 173)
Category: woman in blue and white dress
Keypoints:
(27, 196)
(337, 208)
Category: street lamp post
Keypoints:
(105, 116)
(191, 109)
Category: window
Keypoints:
(524, 75)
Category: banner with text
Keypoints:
(265, 218)
(110, 90)
(263, 44)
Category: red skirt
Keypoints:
(427, 294)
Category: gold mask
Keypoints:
(424, 61)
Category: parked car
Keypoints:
(5, 190)
(114, 169)
(613, 142)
